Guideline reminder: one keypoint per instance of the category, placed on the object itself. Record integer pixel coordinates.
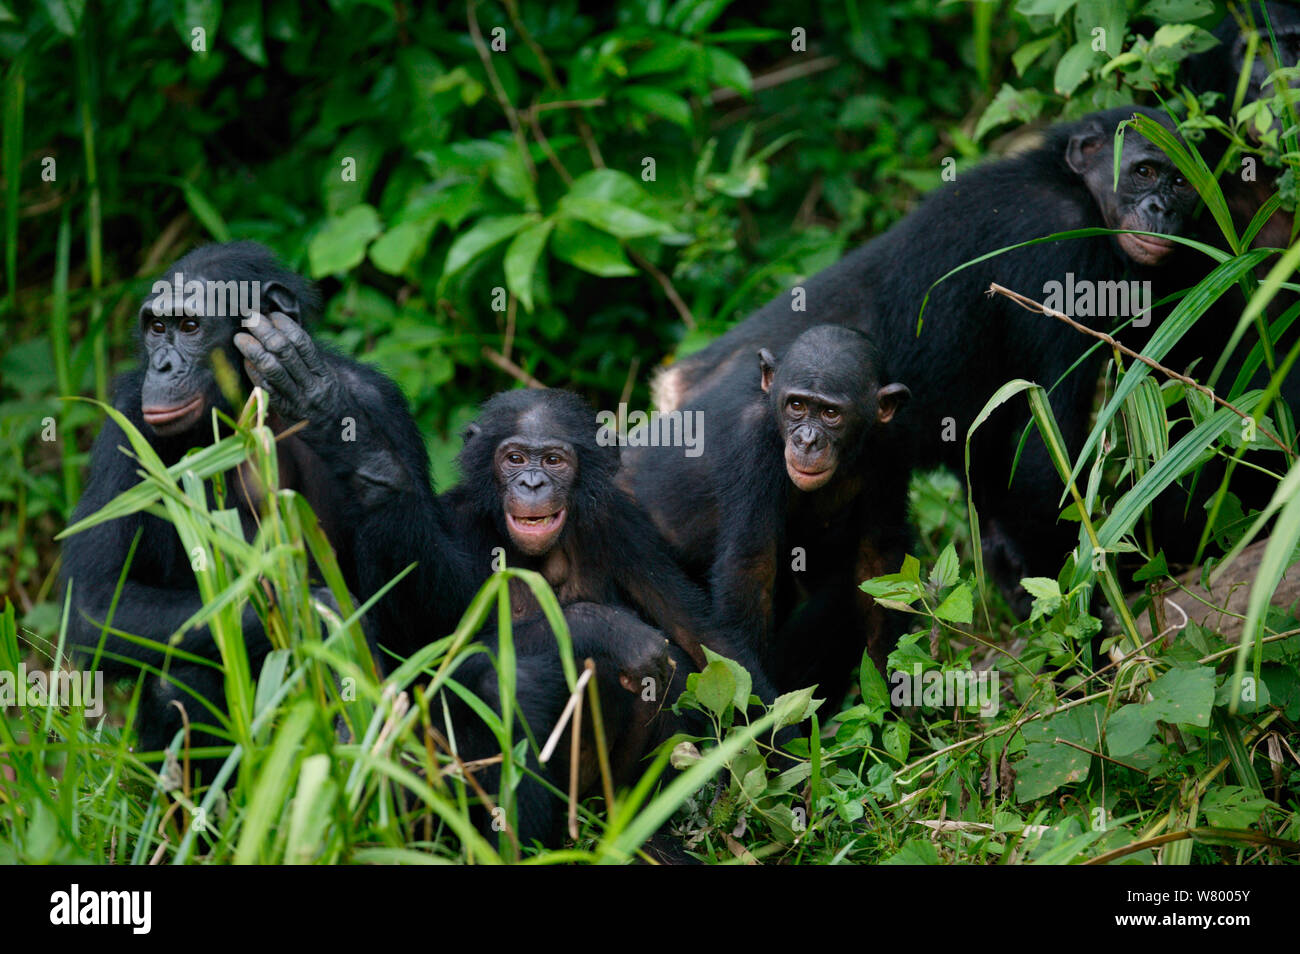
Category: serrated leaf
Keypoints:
(958, 607)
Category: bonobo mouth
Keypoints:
(807, 478)
(1145, 249)
(172, 420)
(533, 533)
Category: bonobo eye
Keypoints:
(553, 460)
(795, 405)
(1180, 182)
(1144, 171)
(831, 415)
(516, 458)
(189, 325)
(157, 327)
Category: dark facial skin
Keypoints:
(1152, 195)
(179, 384)
(534, 472)
(825, 400)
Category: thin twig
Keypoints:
(512, 115)
(777, 77)
(510, 368)
(1030, 305)
(548, 74)
(666, 284)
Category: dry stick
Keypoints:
(531, 116)
(509, 341)
(510, 368)
(467, 770)
(776, 77)
(1030, 305)
(666, 284)
(602, 750)
(554, 738)
(575, 755)
(498, 90)
(548, 74)
(628, 383)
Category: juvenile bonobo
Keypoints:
(537, 492)
(797, 498)
(361, 490)
(625, 650)
(971, 344)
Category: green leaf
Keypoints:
(726, 70)
(611, 217)
(244, 29)
(716, 688)
(946, 569)
(1128, 729)
(791, 708)
(1232, 806)
(590, 249)
(1073, 68)
(341, 245)
(510, 175)
(1024, 57)
(897, 738)
(662, 103)
(918, 851)
(1183, 697)
(486, 233)
(205, 212)
(1177, 11)
(521, 260)
(393, 251)
(958, 607)
(1046, 767)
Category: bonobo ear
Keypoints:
(767, 367)
(1081, 153)
(471, 430)
(277, 296)
(889, 399)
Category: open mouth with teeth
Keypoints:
(533, 532)
(171, 420)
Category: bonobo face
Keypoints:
(535, 474)
(1152, 194)
(179, 384)
(825, 400)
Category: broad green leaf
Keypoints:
(611, 217)
(590, 249)
(341, 245)
(521, 260)
(958, 607)
(1183, 697)
(485, 234)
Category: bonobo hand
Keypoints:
(281, 358)
(645, 659)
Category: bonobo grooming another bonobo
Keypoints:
(798, 497)
(972, 344)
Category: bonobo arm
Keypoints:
(654, 583)
(398, 521)
(305, 383)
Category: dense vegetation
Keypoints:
(503, 192)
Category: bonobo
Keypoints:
(537, 492)
(360, 489)
(797, 498)
(626, 652)
(971, 344)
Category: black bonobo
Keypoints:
(537, 492)
(970, 344)
(360, 488)
(797, 497)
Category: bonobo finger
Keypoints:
(307, 349)
(264, 369)
(274, 341)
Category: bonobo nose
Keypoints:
(164, 359)
(806, 438)
(532, 479)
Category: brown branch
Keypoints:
(512, 116)
(666, 284)
(777, 77)
(1030, 305)
(531, 116)
(510, 368)
(548, 74)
